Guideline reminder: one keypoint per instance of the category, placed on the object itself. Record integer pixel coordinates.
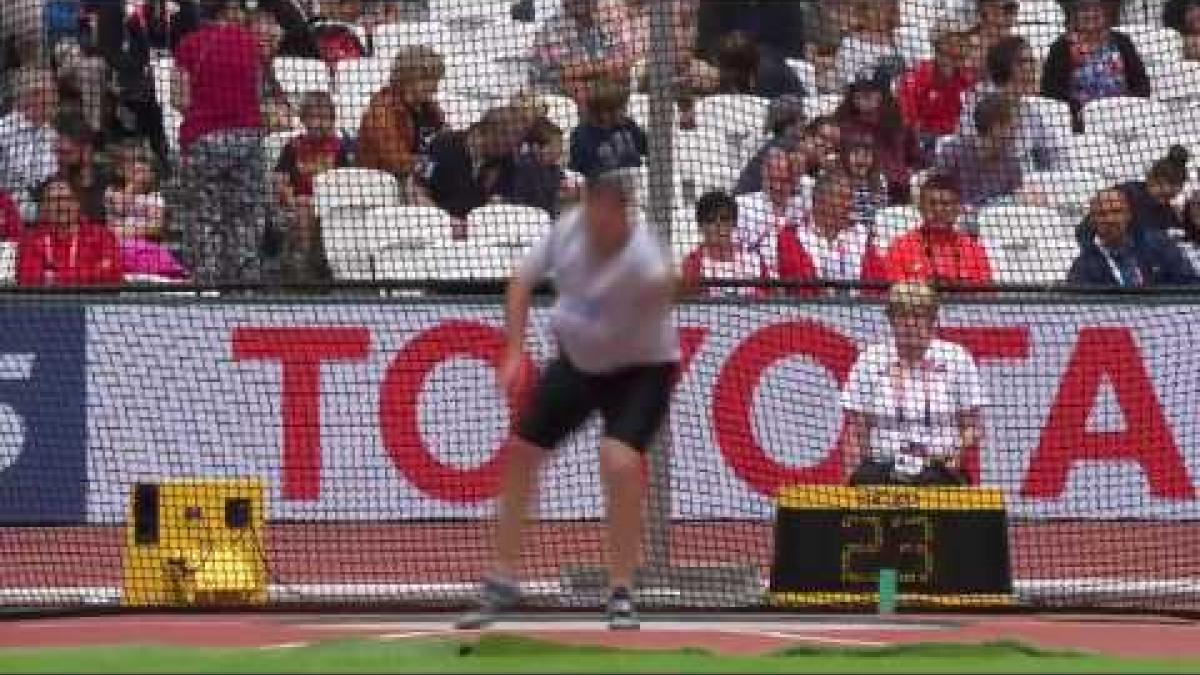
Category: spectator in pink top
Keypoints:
(217, 86)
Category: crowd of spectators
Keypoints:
(85, 155)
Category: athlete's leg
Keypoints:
(519, 484)
(621, 473)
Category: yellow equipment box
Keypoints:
(195, 541)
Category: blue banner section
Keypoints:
(43, 418)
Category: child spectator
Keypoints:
(607, 139)
(539, 178)
(719, 256)
(305, 157)
(860, 162)
(66, 248)
(870, 109)
(134, 207)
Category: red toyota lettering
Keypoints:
(399, 411)
(300, 353)
(1107, 354)
(733, 399)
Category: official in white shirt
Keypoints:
(913, 403)
(618, 355)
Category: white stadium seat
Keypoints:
(913, 43)
(462, 111)
(1068, 192)
(822, 105)
(1039, 36)
(355, 82)
(389, 39)
(1155, 44)
(508, 225)
(298, 76)
(1125, 117)
(273, 146)
(732, 113)
(893, 221)
(1041, 12)
(1021, 223)
(354, 188)
(806, 73)
(354, 239)
(1055, 115)
(1044, 262)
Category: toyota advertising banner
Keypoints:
(390, 411)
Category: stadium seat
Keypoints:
(1041, 12)
(355, 82)
(893, 221)
(354, 188)
(639, 109)
(1177, 84)
(1021, 223)
(1125, 118)
(705, 153)
(273, 146)
(1155, 44)
(162, 68)
(913, 43)
(819, 106)
(806, 73)
(508, 224)
(389, 39)
(1130, 163)
(1055, 115)
(1022, 261)
(1068, 192)
(353, 241)
(732, 113)
(504, 40)
(298, 76)
(562, 111)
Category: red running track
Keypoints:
(457, 552)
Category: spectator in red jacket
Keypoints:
(718, 256)
(935, 250)
(833, 247)
(931, 94)
(67, 249)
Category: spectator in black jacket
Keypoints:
(1127, 254)
(1152, 200)
(538, 177)
(744, 67)
(777, 25)
(608, 139)
(1092, 61)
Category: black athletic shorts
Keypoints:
(633, 402)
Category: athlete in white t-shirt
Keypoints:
(913, 403)
(618, 355)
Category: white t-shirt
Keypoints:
(916, 405)
(840, 259)
(609, 314)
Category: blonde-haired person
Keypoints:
(913, 403)
(403, 117)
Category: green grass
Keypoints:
(501, 654)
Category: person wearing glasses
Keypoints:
(913, 403)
